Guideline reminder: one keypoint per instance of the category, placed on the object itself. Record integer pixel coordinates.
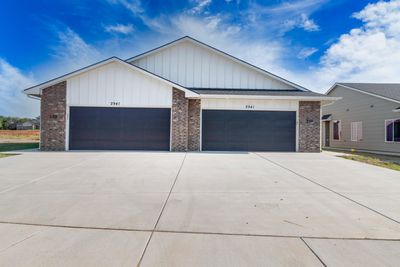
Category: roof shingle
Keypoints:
(388, 90)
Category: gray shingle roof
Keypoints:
(260, 92)
(389, 90)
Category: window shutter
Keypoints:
(359, 131)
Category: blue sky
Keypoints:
(311, 42)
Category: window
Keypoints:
(337, 128)
(356, 131)
(392, 130)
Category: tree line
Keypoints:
(11, 123)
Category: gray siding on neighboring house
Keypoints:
(356, 106)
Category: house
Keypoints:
(182, 96)
(26, 125)
(366, 118)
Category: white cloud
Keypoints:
(308, 24)
(370, 53)
(283, 17)
(13, 101)
(200, 6)
(119, 28)
(306, 52)
(69, 52)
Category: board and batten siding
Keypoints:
(194, 66)
(119, 86)
(356, 107)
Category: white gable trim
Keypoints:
(226, 55)
(360, 91)
(37, 89)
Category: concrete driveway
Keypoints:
(197, 209)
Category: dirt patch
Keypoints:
(19, 136)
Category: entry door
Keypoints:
(238, 130)
(100, 128)
(327, 133)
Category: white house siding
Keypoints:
(192, 65)
(250, 104)
(116, 85)
(372, 118)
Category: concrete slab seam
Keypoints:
(313, 252)
(162, 210)
(47, 175)
(198, 232)
(331, 190)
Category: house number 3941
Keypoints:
(113, 103)
(249, 106)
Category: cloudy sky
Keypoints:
(311, 42)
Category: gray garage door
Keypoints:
(94, 128)
(236, 130)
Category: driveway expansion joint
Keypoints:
(327, 188)
(313, 252)
(162, 210)
(197, 232)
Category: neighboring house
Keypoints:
(366, 118)
(27, 125)
(32, 124)
(183, 96)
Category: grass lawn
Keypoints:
(390, 162)
(4, 147)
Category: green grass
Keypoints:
(4, 147)
(2, 155)
(390, 162)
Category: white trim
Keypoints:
(391, 142)
(297, 128)
(224, 54)
(300, 98)
(38, 88)
(320, 129)
(361, 91)
(170, 128)
(201, 128)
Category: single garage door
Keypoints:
(237, 130)
(94, 128)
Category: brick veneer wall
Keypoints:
(52, 114)
(309, 126)
(179, 125)
(194, 125)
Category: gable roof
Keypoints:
(388, 91)
(224, 54)
(36, 90)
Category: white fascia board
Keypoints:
(37, 90)
(361, 91)
(224, 54)
(300, 98)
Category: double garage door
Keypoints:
(94, 128)
(237, 130)
(99, 128)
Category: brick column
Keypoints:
(194, 125)
(179, 125)
(52, 115)
(309, 126)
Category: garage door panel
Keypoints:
(119, 128)
(237, 130)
